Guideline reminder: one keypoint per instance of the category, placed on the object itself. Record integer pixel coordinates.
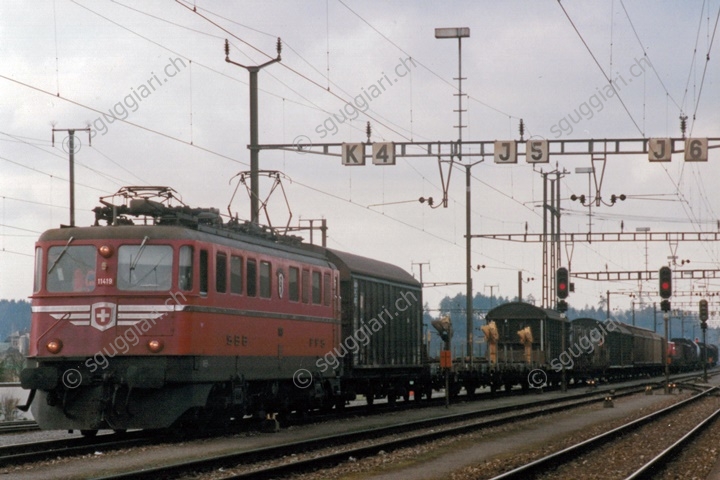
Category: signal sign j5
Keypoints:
(665, 282)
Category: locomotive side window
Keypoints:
(305, 286)
(326, 289)
(71, 268)
(203, 272)
(265, 279)
(145, 267)
(316, 288)
(294, 284)
(251, 277)
(221, 272)
(185, 268)
(236, 274)
(37, 278)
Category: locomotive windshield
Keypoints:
(71, 268)
(145, 267)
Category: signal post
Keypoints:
(562, 288)
(703, 307)
(665, 275)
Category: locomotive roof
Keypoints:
(349, 264)
(178, 232)
(521, 311)
(177, 222)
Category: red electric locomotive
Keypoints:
(185, 319)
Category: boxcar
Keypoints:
(382, 315)
(647, 348)
(686, 356)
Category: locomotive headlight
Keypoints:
(54, 346)
(106, 251)
(155, 346)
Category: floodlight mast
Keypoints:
(460, 33)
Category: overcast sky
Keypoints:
(176, 114)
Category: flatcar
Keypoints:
(514, 360)
(171, 316)
(528, 338)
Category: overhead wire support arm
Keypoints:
(254, 148)
(645, 275)
(607, 237)
(486, 148)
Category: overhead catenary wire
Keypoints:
(602, 70)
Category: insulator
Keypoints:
(227, 48)
(683, 124)
(522, 129)
(279, 46)
(368, 131)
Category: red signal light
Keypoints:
(562, 282)
(665, 275)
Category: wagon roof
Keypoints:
(351, 264)
(521, 311)
(619, 326)
(641, 332)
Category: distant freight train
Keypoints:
(169, 316)
(531, 337)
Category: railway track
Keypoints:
(325, 452)
(570, 454)
(38, 451)
(656, 465)
(35, 452)
(18, 426)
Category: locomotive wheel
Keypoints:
(88, 433)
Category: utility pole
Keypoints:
(254, 150)
(71, 153)
(492, 287)
(420, 264)
(520, 284)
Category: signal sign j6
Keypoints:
(563, 283)
(665, 282)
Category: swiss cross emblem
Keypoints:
(103, 315)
